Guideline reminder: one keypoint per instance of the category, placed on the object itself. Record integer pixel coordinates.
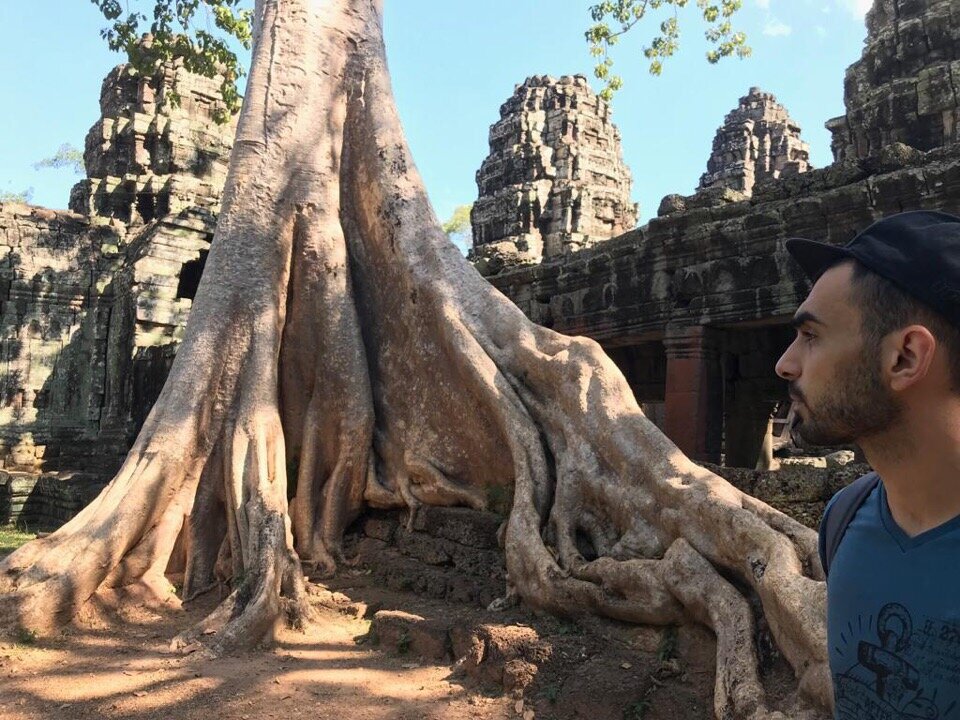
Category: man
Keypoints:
(876, 362)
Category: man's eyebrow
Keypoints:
(804, 317)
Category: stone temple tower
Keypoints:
(554, 181)
(758, 141)
(906, 86)
(156, 149)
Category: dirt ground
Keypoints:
(125, 670)
(119, 666)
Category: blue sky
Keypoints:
(453, 64)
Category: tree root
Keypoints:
(593, 477)
(271, 591)
(339, 336)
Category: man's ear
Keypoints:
(908, 356)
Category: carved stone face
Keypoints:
(835, 379)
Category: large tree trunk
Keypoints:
(341, 352)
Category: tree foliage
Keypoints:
(613, 18)
(24, 196)
(457, 226)
(173, 32)
(459, 220)
(66, 156)
(199, 31)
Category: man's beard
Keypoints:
(855, 405)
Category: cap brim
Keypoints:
(815, 257)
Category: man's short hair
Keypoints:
(886, 308)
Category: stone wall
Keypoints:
(152, 293)
(446, 554)
(94, 302)
(44, 502)
(705, 262)
(53, 320)
(704, 276)
(554, 181)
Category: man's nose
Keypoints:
(787, 366)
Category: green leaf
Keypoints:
(174, 32)
(614, 18)
(66, 156)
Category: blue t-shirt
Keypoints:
(893, 618)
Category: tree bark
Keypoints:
(342, 353)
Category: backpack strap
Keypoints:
(841, 512)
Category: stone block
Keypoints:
(406, 633)
(504, 655)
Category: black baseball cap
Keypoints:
(918, 251)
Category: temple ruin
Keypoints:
(694, 306)
(554, 181)
(758, 141)
(905, 86)
(95, 299)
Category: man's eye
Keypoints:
(806, 335)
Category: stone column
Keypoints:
(694, 402)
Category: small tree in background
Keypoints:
(457, 227)
(66, 156)
(24, 196)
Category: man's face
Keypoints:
(835, 379)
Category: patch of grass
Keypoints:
(25, 636)
(551, 693)
(636, 710)
(668, 644)
(12, 537)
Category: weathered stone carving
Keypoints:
(906, 86)
(93, 302)
(157, 149)
(554, 181)
(758, 141)
(52, 329)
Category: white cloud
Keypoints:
(776, 28)
(857, 8)
(821, 31)
(763, 4)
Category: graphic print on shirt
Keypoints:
(893, 665)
